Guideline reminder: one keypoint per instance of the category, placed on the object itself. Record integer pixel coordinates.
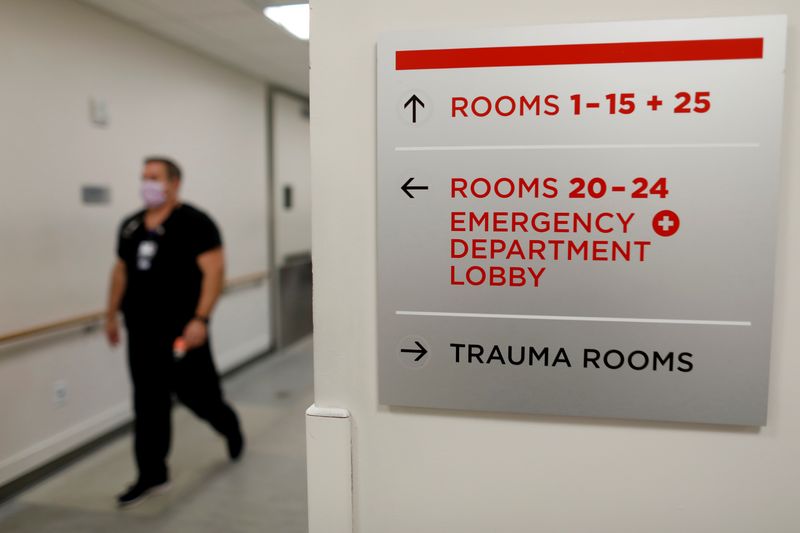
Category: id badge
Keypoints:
(146, 253)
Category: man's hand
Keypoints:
(119, 280)
(112, 330)
(195, 334)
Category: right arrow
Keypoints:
(413, 102)
(421, 352)
(408, 187)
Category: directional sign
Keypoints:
(407, 188)
(580, 219)
(412, 352)
(417, 353)
(414, 101)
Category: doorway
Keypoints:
(290, 228)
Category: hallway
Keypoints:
(265, 492)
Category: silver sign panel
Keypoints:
(580, 219)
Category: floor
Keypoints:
(265, 492)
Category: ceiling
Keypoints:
(232, 31)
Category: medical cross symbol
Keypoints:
(666, 223)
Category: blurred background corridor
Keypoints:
(91, 88)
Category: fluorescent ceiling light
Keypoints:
(295, 18)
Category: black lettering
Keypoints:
(496, 355)
(593, 360)
(644, 365)
(458, 350)
(687, 365)
(521, 356)
(668, 360)
(475, 351)
(618, 354)
(532, 353)
(561, 357)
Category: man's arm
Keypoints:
(212, 265)
(119, 280)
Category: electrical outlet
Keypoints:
(60, 393)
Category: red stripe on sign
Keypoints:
(581, 54)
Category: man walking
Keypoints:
(166, 280)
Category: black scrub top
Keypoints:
(163, 278)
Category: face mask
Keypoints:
(153, 193)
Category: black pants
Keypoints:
(156, 376)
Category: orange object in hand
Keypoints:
(179, 348)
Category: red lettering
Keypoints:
(479, 249)
(508, 183)
(550, 187)
(536, 248)
(480, 280)
(497, 276)
(516, 277)
(519, 221)
(453, 280)
(498, 246)
(484, 100)
(511, 109)
(551, 102)
(536, 274)
(598, 221)
(501, 221)
(456, 218)
(479, 221)
(600, 251)
(581, 249)
(515, 250)
(642, 245)
(524, 104)
(454, 245)
(460, 105)
(458, 185)
(484, 184)
(504, 106)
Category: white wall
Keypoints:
(56, 253)
(441, 471)
(290, 133)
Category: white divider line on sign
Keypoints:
(466, 148)
(580, 318)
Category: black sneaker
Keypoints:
(137, 492)
(235, 446)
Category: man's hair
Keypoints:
(173, 170)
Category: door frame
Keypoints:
(276, 320)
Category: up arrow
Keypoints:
(413, 101)
(421, 352)
(408, 187)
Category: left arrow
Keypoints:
(414, 101)
(408, 187)
(421, 352)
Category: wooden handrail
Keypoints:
(245, 280)
(92, 318)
